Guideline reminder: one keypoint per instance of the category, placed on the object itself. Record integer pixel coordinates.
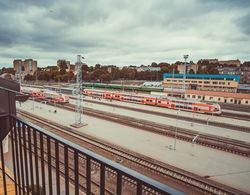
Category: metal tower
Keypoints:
(78, 91)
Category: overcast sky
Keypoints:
(123, 32)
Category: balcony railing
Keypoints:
(44, 163)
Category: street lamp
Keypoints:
(175, 135)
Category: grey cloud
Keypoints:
(120, 32)
(244, 24)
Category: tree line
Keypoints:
(105, 74)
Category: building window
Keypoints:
(215, 82)
(246, 102)
(30, 66)
(188, 96)
(210, 98)
(206, 82)
(231, 100)
(199, 97)
(218, 99)
(193, 96)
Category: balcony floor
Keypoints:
(9, 183)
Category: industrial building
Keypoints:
(204, 82)
(23, 68)
(188, 68)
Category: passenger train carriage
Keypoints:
(45, 95)
(161, 101)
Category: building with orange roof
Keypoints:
(214, 96)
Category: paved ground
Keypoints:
(171, 121)
(226, 168)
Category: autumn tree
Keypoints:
(29, 77)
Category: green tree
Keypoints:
(191, 71)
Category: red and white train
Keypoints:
(161, 101)
(51, 96)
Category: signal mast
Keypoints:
(78, 91)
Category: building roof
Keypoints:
(204, 76)
(219, 94)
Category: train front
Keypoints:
(217, 109)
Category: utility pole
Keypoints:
(78, 110)
(172, 81)
(184, 75)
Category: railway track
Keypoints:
(168, 115)
(156, 168)
(236, 116)
(235, 107)
(220, 143)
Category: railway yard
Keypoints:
(192, 152)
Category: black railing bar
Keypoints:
(4, 115)
(25, 156)
(17, 155)
(66, 170)
(12, 121)
(57, 168)
(36, 157)
(3, 168)
(30, 158)
(10, 90)
(113, 165)
(42, 161)
(76, 166)
(88, 175)
(20, 128)
(102, 178)
(49, 165)
(119, 184)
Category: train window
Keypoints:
(159, 102)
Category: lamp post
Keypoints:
(175, 135)
(184, 75)
(33, 106)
